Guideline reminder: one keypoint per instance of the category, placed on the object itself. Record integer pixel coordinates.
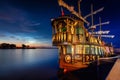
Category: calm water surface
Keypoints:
(28, 64)
(42, 64)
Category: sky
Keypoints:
(29, 21)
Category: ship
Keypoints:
(77, 45)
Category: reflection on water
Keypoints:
(93, 72)
(42, 64)
(21, 62)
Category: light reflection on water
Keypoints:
(14, 59)
(42, 64)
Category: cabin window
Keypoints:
(87, 50)
(100, 51)
(69, 49)
(96, 52)
(64, 29)
(79, 30)
(81, 39)
(92, 50)
(79, 49)
(61, 27)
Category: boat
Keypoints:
(77, 45)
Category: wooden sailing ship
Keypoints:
(77, 46)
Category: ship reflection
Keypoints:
(81, 74)
(67, 76)
(93, 72)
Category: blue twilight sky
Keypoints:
(28, 21)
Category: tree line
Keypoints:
(12, 46)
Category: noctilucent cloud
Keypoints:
(29, 21)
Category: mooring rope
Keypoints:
(109, 58)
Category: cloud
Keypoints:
(17, 20)
(5, 17)
(35, 24)
(11, 14)
(2, 35)
(12, 37)
(19, 23)
(29, 30)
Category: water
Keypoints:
(42, 64)
(28, 64)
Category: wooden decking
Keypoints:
(115, 71)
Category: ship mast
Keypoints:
(71, 9)
(79, 11)
(100, 27)
(93, 27)
(100, 32)
(94, 12)
(92, 15)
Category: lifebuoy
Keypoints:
(68, 58)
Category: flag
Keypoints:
(62, 12)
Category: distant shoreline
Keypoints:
(31, 48)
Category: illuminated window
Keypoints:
(79, 30)
(96, 52)
(81, 38)
(69, 49)
(87, 49)
(100, 51)
(64, 29)
(92, 50)
(79, 49)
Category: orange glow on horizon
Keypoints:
(29, 44)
